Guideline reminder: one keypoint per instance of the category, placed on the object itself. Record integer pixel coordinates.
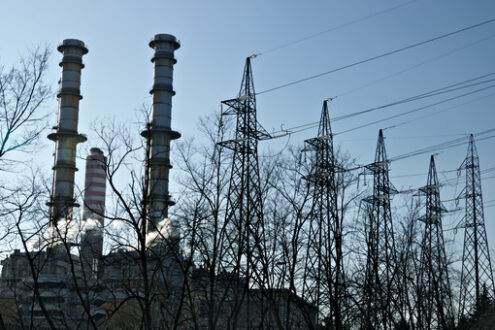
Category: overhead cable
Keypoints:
(314, 35)
(378, 56)
(417, 65)
(444, 145)
(415, 110)
(446, 89)
(440, 111)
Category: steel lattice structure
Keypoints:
(323, 264)
(244, 210)
(382, 301)
(434, 305)
(477, 276)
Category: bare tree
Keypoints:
(201, 209)
(21, 213)
(23, 92)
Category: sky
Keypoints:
(217, 36)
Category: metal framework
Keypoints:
(477, 276)
(382, 300)
(244, 210)
(324, 280)
(434, 305)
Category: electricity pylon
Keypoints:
(434, 303)
(244, 209)
(382, 301)
(323, 264)
(477, 275)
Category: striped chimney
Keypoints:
(95, 186)
(159, 132)
(93, 211)
(66, 136)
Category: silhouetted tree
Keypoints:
(23, 92)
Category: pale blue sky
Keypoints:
(216, 37)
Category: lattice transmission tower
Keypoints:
(382, 284)
(477, 275)
(434, 305)
(244, 209)
(324, 280)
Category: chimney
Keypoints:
(66, 136)
(93, 211)
(159, 132)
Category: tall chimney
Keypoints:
(158, 132)
(66, 136)
(93, 211)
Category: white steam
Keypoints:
(164, 230)
(64, 233)
(91, 224)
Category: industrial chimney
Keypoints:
(66, 136)
(93, 211)
(159, 133)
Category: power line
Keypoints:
(406, 100)
(355, 89)
(453, 181)
(378, 56)
(444, 145)
(414, 110)
(441, 146)
(443, 172)
(311, 125)
(314, 35)
(436, 92)
(304, 127)
(440, 111)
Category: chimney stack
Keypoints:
(66, 136)
(159, 132)
(93, 211)
(95, 186)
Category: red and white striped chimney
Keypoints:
(95, 186)
(93, 212)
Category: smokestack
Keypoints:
(93, 211)
(66, 136)
(158, 132)
(95, 186)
